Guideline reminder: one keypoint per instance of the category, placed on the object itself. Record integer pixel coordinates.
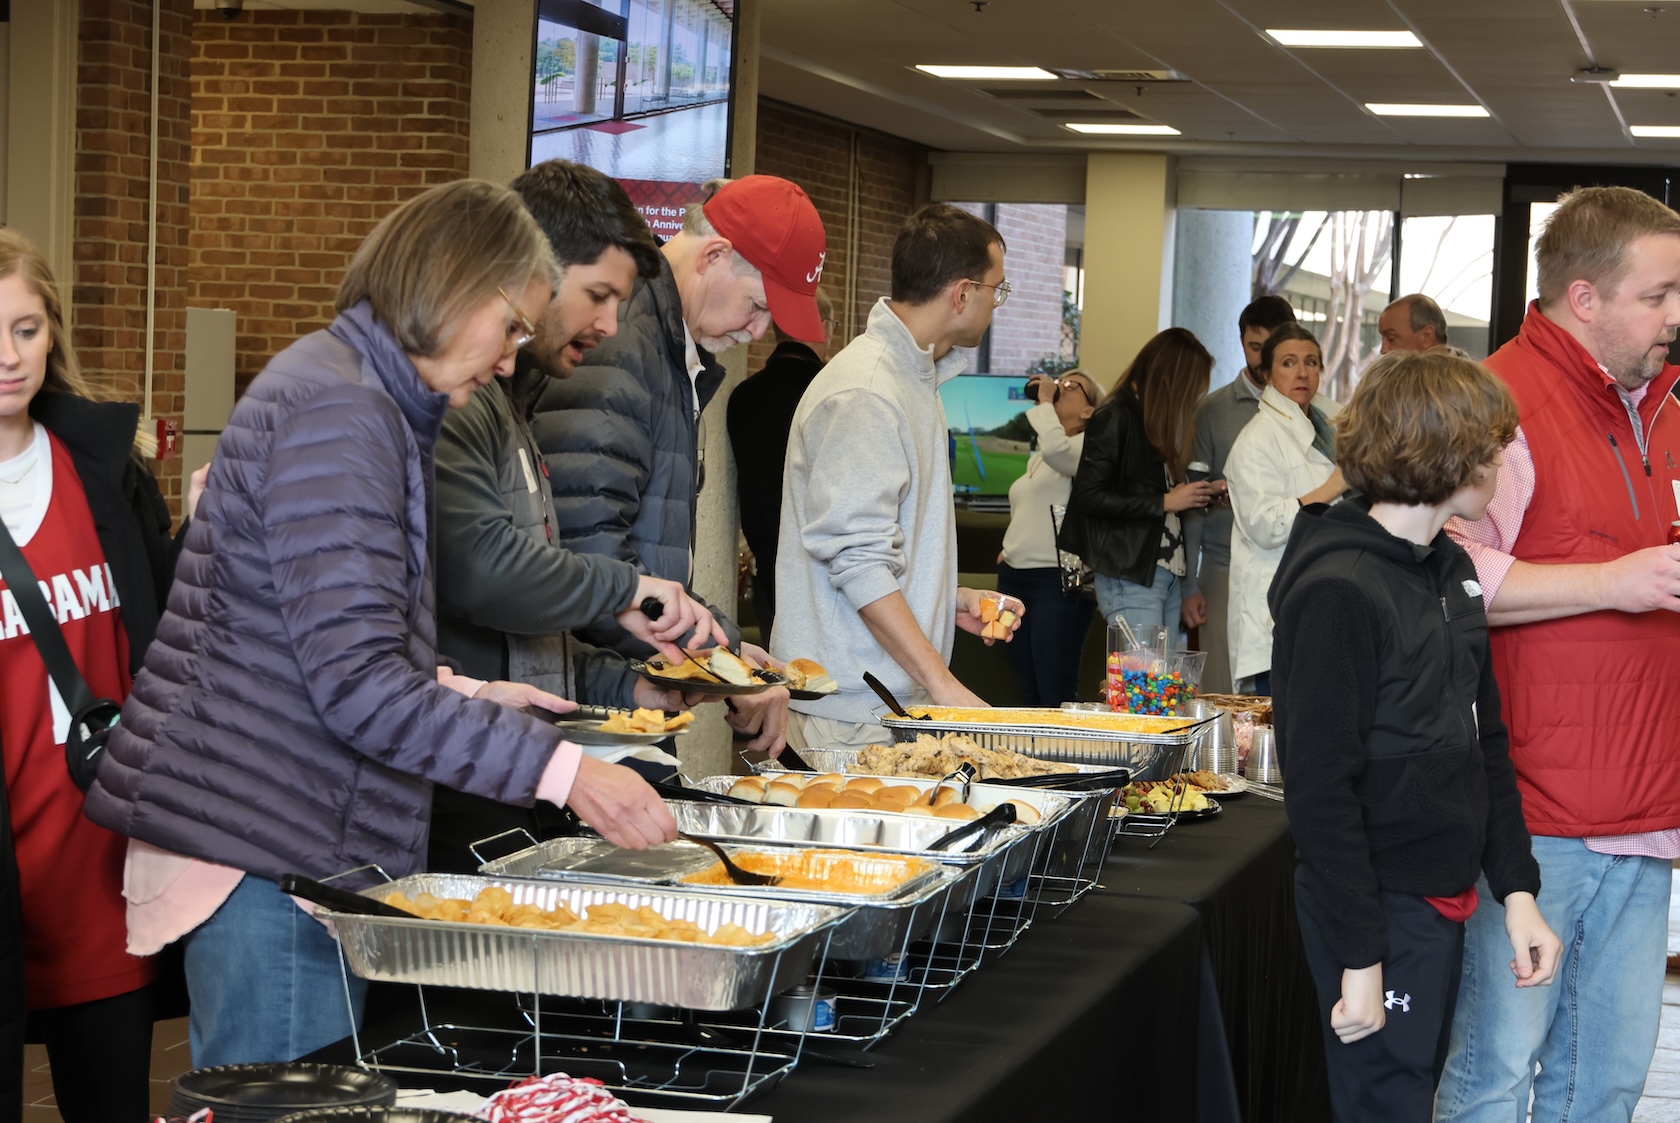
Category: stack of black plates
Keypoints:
(378, 1115)
(263, 1093)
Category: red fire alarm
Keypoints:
(168, 438)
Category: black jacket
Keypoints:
(133, 525)
(1388, 724)
(1115, 514)
(761, 412)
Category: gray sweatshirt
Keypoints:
(867, 511)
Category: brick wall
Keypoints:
(113, 137)
(307, 128)
(816, 152)
(1029, 327)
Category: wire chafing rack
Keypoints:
(580, 988)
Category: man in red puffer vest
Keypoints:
(1584, 598)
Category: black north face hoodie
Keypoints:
(1389, 730)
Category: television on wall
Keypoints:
(989, 437)
(641, 90)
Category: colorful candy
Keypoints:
(1133, 689)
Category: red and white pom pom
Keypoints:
(557, 1098)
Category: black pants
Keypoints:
(101, 1056)
(1392, 1074)
(1046, 650)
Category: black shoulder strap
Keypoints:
(49, 641)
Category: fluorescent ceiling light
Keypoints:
(1649, 81)
(1367, 39)
(1655, 131)
(1124, 130)
(990, 73)
(1386, 109)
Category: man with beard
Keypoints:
(867, 558)
(508, 591)
(1583, 598)
(621, 437)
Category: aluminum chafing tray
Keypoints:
(586, 965)
(1050, 804)
(589, 858)
(845, 761)
(1146, 755)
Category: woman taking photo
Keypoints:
(1123, 516)
(1283, 460)
(80, 505)
(1045, 652)
(292, 716)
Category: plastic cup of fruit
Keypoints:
(998, 615)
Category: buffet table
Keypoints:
(1098, 1013)
(1237, 872)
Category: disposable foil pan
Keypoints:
(586, 965)
(590, 858)
(845, 761)
(1148, 756)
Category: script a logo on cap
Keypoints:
(815, 275)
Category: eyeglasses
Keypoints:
(1000, 291)
(1073, 384)
(527, 330)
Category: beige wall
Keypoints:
(1128, 227)
(41, 126)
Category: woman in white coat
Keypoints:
(1283, 460)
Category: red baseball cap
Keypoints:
(774, 225)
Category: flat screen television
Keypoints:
(990, 439)
(640, 89)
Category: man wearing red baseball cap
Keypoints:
(621, 435)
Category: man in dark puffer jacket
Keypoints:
(621, 435)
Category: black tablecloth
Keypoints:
(1237, 872)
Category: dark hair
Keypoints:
(937, 245)
(584, 211)
(1169, 376)
(1268, 312)
(1284, 334)
(1421, 426)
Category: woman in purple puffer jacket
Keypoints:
(291, 715)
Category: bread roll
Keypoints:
(919, 809)
(898, 795)
(749, 787)
(726, 665)
(865, 784)
(852, 801)
(782, 794)
(943, 797)
(838, 779)
(961, 811)
(816, 795)
(1025, 813)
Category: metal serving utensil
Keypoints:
(736, 874)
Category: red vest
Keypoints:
(1593, 701)
(70, 871)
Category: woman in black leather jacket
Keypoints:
(1123, 515)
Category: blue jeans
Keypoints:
(1594, 1030)
(263, 977)
(1145, 607)
(1046, 649)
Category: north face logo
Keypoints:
(1404, 1001)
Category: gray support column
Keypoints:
(1213, 265)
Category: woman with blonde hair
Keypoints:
(84, 513)
(1131, 487)
(293, 716)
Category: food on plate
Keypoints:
(808, 674)
(1072, 719)
(1258, 706)
(1206, 781)
(729, 667)
(495, 906)
(830, 871)
(1158, 797)
(867, 793)
(645, 721)
(935, 757)
(710, 664)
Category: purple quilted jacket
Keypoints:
(289, 718)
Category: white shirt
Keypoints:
(26, 488)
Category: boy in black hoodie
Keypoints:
(1400, 787)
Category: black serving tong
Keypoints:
(994, 820)
(340, 900)
(1071, 781)
(695, 795)
(881, 691)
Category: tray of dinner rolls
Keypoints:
(702, 950)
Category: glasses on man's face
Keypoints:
(526, 329)
(1000, 291)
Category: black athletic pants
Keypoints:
(1390, 1075)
